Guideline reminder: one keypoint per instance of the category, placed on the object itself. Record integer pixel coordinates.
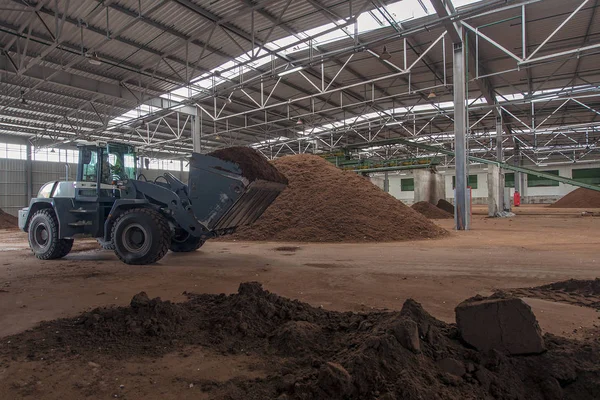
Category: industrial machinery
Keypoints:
(141, 220)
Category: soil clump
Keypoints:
(431, 211)
(322, 203)
(253, 165)
(314, 353)
(446, 206)
(7, 221)
(579, 198)
(503, 323)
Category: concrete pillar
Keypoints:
(462, 206)
(386, 182)
(429, 186)
(495, 179)
(517, 162)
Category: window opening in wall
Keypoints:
(590, 176)
(407, 185)
(472, 182)
(536, 181)
(509, 180)
(13, 151)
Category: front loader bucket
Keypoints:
(222, 198)
(249, 207)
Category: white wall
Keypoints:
(394, 178)
(529, 194)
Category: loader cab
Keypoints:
(102, 166)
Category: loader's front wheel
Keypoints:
(183, 242)
(43, 236)
(105, 245)
(141, 236)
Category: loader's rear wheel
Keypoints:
(183, 242)
(43, 236)
(141, 236)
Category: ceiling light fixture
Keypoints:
(299, 122)
(22, 99)
(385, 54)
(290, 71)
(93, 58)
(431, 95)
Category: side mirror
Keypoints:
(86, 156)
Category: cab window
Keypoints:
(90, 167)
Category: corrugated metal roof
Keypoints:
(132, 43)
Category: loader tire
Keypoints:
(105, 245)
(183, 242)
(141, 236)
(43, 236)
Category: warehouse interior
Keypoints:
(387, 199)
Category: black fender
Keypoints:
(171, 206)
(35, 205)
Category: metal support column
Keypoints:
(500, 159)
(196, 136)
(517, 163)
(462, 206)
(29, 174)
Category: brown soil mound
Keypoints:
(572, 291)
(253, 165)
(431, 211)
(7, 221)
(312, 353)
(446, 206)
(325, 204)
(579, 198)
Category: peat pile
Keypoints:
(312, 353)
(431, 211)
(446, 206)
(322, 203)
(581, 292)
(253, 165)
(579, 198)
(7, 221)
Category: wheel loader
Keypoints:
(139, 219)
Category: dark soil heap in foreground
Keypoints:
(431, 211)
(322, 203)
(579, 198)
(312, 353)
(446, 206)
(253, 165)
(573, 291)
(7, 221)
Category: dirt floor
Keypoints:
(537, 247)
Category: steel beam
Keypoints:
(197, 133)
(500, 159)
(462, 203)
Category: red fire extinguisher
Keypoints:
(517, 198)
